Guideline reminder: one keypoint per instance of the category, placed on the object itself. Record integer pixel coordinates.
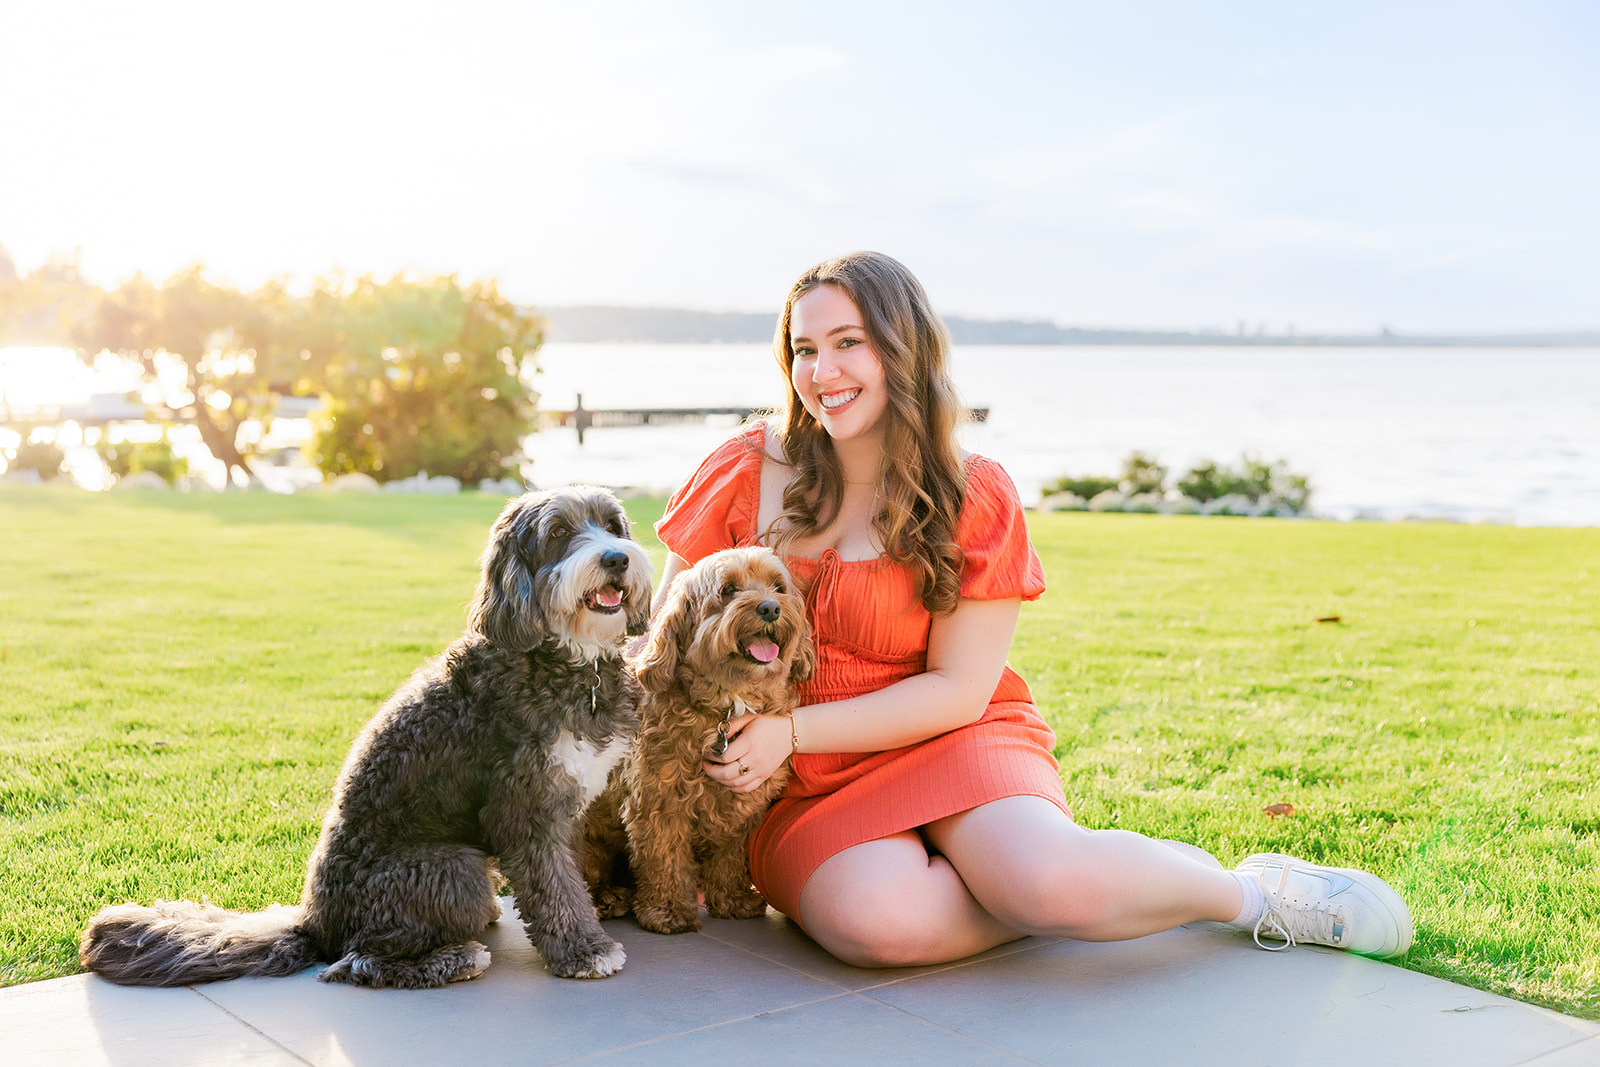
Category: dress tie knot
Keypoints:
(824, 587)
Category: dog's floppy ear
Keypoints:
(805, 654)
(505, 609)
(670, 633)
(639, 612)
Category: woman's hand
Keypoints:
(757, 747)
(966, 655)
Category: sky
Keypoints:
(1330, 167)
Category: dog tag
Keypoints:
(721, 747)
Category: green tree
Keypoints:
(233, 348)
(415, 374)
(422, 375)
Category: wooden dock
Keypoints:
(582, 418)
(102, 411)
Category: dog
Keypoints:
(730, 637)
(480, 766)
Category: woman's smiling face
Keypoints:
(836, 374)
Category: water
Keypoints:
(1501, 435)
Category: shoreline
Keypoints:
(19, 481)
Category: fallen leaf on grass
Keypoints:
(1276, 810)
(1330, 618)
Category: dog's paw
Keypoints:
(477, 961)
(613, 903)
(667, 919)
(351, 969)
(605, 961)
(736, 904)
(448, 963)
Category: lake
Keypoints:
(1471, 434)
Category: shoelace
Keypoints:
(1294, 921)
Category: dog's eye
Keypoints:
(560, 531)
(779, 589)
(728, 589)
(616, 527)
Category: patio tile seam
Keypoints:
(993, 956)
(776, 962)
(1587, 1039)
(719, 1024)
(252, 1028)
(1034, 943)
(951, 1030)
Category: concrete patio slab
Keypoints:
(760, 991)
(1583, 1054)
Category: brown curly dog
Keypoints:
(731, 637)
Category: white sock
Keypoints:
(1255, 900)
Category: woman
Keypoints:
(925, 819)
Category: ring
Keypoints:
(744, 768)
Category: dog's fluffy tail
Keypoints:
(178, 942)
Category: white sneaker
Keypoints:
(1308, 904)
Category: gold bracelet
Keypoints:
(794, 735)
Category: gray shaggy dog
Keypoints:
(480, 765)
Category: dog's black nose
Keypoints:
(615, 560)
(769, 610)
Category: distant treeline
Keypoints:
(679, 326)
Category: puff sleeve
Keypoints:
(999, 562)
(716, 507)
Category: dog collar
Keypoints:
(737, 707)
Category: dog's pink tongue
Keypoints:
(608, 597)
(765, 651)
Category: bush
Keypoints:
(1255, 487)
(1206, 482)
(1272, 486)
(127, 457)
(45, 457)
(1142, 475)
(1087, 488)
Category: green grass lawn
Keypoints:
(180, 677)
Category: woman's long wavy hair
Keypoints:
(922, 481)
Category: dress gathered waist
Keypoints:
(870, 677)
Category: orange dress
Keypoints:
(871, 631)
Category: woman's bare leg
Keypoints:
(1033, 869)
(1007, 869)
(888, 903)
